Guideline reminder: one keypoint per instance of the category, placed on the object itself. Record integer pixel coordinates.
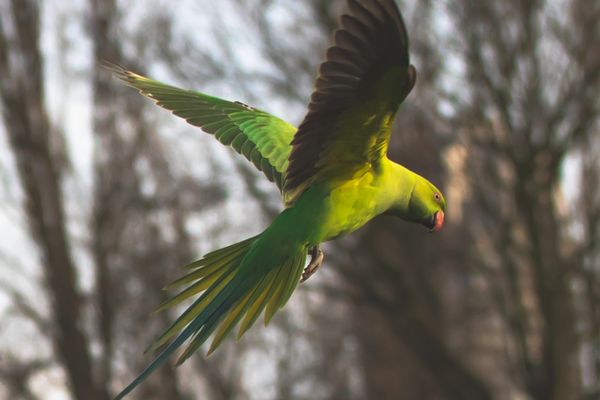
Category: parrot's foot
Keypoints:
(316, 259)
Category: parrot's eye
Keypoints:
(437, 197)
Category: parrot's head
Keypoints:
(427, 205)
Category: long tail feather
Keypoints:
(233, 286)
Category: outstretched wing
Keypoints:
(257, 135)
(360, 86)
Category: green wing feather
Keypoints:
(257, 135)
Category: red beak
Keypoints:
(438, 219)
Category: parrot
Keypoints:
(332, 171)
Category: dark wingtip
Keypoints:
(372, 37)
(117, 69)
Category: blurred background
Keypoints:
(103, 195)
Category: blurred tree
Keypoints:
(134, 232)
(534, 70)
(38, 152)
(501, 304)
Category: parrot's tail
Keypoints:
(234, 284)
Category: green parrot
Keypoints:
(333, 173)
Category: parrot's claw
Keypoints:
(316, 259)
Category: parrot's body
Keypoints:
(333, 173)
